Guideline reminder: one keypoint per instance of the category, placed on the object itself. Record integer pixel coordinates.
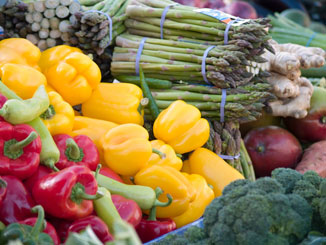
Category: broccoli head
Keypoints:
(259, 212)
(309, 186)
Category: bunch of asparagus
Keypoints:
(12, 19)
(49, 21)
(92, 29)
(226, 65)
(243, 104)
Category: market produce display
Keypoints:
(153, 122)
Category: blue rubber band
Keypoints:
(222, 107)
(226, 157)
(140, 50)
(110, 23)
(311, 38)
(203, 63)
(165, 11)
(226, 32)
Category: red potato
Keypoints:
(314, 158)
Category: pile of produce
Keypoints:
(44, 23)
(52, 158)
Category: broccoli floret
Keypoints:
(287, 177)
(257, 212)
(172, 239)
(195, 234)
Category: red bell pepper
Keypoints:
(39, 173)
(17, 203)
(20, 148)
(3, 190)
(48, 229)
(151, 228)
(67, 194)
(108, 172)
(148, 230)
(99, 227)
(61, 226)
(3, 100)
(79, 150)
(128, 209)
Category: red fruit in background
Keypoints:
(241, 9)
(212, 4)
(272, 147)
(61, 226)
(313, 127)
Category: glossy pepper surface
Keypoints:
(214, 169)
(48, 228)
(126, 148)
(17, 202)
(98, 226)
(171, 158)
(79, 150)
(22, 79)
(19, 51)
(20, 148)
(111, 174)
(26, 234)
(3, 190)
(93, 128)
(70, 72)
(148, 230)
(68, 193)
(128, 209)
(106, 103)
(38, 174)
(172, 182)
(204, 196)
(59, 117)
(181, 126)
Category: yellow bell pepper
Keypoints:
(181, 126)
(171, 158)
(126, 148)
(22, 79)
(115, 102)
(93, 128)
(48, 88)
(77, 113)
(19, 51)
(214, 169)
(172, 182)
(70, 72)
(59, 117)
(204, 196)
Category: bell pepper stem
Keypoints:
(78, 194)
(50, 163)
(157, 203)
(39, 225)
(49, 113)
(179, 155)
(161, 154)
(73, 152)
(3, 184)
(13, 149)
(97, 171)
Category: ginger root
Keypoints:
(293, 92)
(283, 87)
(308, 56)
(296, 107)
